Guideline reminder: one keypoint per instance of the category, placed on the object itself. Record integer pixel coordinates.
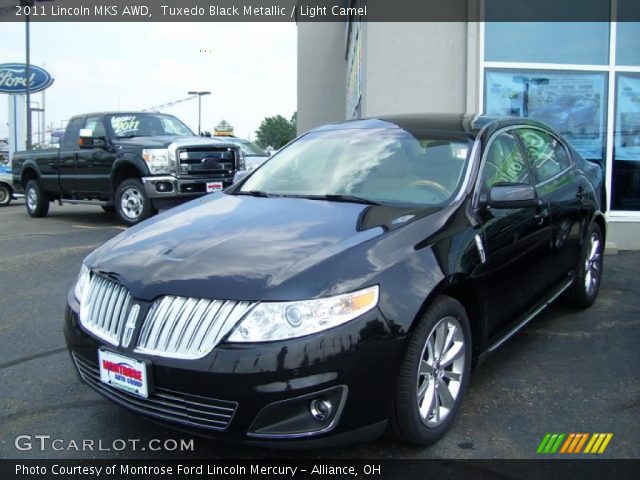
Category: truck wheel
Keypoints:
(131, 202)
(5, 194)
(36, 199)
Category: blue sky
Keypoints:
(250, 68)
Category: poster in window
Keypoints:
(627, 131)
(571, 102)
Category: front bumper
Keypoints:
(168, 186)
(260, 393)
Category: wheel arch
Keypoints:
(457, 286)
(123, 169)
(29, 172)
(599, 220)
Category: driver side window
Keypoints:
(504, 162)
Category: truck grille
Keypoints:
(183, 408)
(210, 162)
(104, 309)
(181, 327)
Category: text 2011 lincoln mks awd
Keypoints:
(347, 286)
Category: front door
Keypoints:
(516, 240)
(93, 167)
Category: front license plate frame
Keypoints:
(124, 373)
(214, 187)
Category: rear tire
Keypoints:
(585, 287)
(5, 194)
(434, 374)
(36, 199)
(132, 203)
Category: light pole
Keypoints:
(200, 94)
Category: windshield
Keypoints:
(386, 165)
(147, 125)
(249, 149)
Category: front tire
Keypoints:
(5, 195)
(36, 199)
(132, 203)
(434, 374)
(585, 288)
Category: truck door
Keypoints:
(67, 157)
(93, 165)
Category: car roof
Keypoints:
(462, 124)
(119, 112)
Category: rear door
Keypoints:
(560, 187)
(516, 240)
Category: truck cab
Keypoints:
(132, 163)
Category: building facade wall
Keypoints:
(321, 74)
(415, 68)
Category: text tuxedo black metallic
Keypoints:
(344, 288)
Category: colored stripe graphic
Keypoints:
(598, 443)
(550, 443)
(556, 443)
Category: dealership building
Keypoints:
(581, 78)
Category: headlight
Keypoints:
(280, 320)
(242, 160)
(82, 283)
(158, 160)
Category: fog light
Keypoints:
(320, 409)
(164, 187)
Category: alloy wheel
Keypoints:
(592, 266)
(440, 372)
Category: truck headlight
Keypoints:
(82, 283)
(270, 321)
(242, 160)
(158, 160)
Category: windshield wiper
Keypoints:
(332, 197)
(253, 193)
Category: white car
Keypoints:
(254, 155)
(6, 186)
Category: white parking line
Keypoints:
(98, 228)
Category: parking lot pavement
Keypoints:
(567, 371)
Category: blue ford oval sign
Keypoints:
(13, 78)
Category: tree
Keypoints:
(276, 131)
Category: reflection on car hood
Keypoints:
(240, 247)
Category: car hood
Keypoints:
(236, 247)
(163, 141)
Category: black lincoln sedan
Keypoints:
(347, 286)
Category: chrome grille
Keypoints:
(179, 407)
(181, 327)
(209, 161)
(103, 309)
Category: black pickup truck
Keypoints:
(133, 163)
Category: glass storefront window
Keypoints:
(582, 43)
(574, 103)
(628, 44)
(625, 194)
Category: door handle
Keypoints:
(582, 194)
(542, 215)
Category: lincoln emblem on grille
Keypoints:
(130, 325)
(210, 161)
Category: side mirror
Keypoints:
(87, 140)
(513, 195)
